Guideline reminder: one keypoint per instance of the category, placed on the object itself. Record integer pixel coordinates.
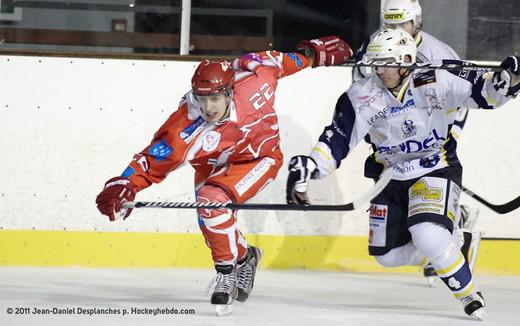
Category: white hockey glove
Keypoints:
(506, 82)
(301, 169)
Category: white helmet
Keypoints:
(401, 11)
(391, 43)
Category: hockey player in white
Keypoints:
(408, 116)
(407, 15)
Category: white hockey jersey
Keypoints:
(411, 132)
(429, 48)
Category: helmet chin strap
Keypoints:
(229, 97)
(402, 76)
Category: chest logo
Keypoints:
(210, 140)
(408, 128)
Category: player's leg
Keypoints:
(389, 239)
(435, 242)
(243, 181)
(465, 236)
(222, 237)
(433, 209)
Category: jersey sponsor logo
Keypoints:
(453, 201)
(396, 110)
(424, 78)
(379, 115)
(254, 175)
(160, 151)
(295, 58)
(368, 100)
(427, 196)
(192, 130)
(426, 192)
(408, 128)
(403, 167)
(414, 146)
(377, 225)
(210, 140)
(378, 212)
(394, 16)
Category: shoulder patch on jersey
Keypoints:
(160, 150)
(424, 78)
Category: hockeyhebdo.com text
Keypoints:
(99, 311)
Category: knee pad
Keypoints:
(433, 241)
(214, 217)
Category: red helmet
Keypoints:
(212, 77)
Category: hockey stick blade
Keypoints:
(467, 65)
(384, 179)
(500, 209)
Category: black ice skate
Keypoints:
(430, 274)
(474, 306)
(246, 273)
(225, 290)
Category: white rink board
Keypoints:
(69, 124)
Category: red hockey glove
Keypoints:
(117, 190)
(327, 50)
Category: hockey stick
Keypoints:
(384, 179)
(500, 209)
(466, 65)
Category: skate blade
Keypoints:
(433, 281)
(223, 309)
(479, 314)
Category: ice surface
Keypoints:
(279, 298)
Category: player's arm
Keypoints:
(156, 160)
(335, 143)
(338, 139)
(485, 90)
(323, 51)
(149, 166)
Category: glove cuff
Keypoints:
(120, 181)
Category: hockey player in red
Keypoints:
(227, 129)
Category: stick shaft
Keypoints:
(384, 179)
(467, 65)
(501, 209)
(252, 206)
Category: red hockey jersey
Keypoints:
(249, 134)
